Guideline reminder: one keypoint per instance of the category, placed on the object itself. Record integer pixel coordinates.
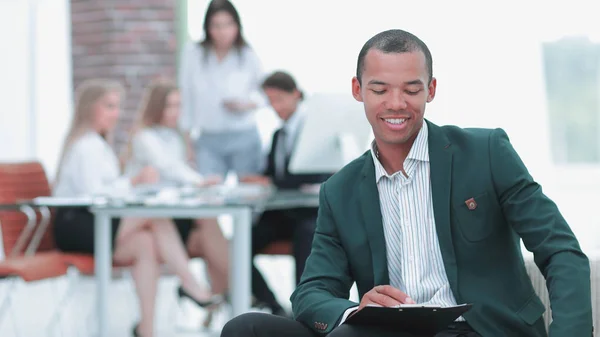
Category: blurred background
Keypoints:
(530, 67)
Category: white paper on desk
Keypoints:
(247, 190)
(202, 201)
(166, 196)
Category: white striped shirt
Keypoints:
(414, 258)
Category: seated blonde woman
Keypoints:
(89, 166)
(157, 142)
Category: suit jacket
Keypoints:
(480, 247)
(289, 180)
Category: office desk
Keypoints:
(104, 209)
(239, 272)
(239, 205)
(214, 202)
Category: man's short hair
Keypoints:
(283, 81)
(394, 41)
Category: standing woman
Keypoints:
(220, 89)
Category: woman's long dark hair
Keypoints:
(214, 7)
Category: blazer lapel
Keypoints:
(440, 162)
(371, 213)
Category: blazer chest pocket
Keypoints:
(476, 217)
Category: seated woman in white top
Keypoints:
(157, 142)
(90, 167)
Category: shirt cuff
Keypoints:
(195, 179)
(121, 187)
(346, 314)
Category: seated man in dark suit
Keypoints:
(297, 225)
(431, 215)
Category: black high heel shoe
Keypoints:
(135, 331)
(214, 299)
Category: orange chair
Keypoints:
(29, 250)
(30, 247)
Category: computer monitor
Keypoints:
(335, 132)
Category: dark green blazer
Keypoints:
(480, 247)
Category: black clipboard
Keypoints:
(414, 319)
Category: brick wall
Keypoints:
(129, 40)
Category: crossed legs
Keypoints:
(145, 244)
(207, 241)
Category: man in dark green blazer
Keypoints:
(431, 215)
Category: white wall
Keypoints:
(54, 82)
(14, 61)
(487, 59)
(35, 117)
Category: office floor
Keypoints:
(32, 302)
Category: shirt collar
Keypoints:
(291, 125)
(419, 151)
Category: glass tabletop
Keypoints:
(54, 202)
(244, 195)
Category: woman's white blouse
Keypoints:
(164, 149)
(207, 82)
(89, 168)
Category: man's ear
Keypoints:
(432, 87)
(297, 94)
(356, 89)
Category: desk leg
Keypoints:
(240, 275)
(103, 265)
